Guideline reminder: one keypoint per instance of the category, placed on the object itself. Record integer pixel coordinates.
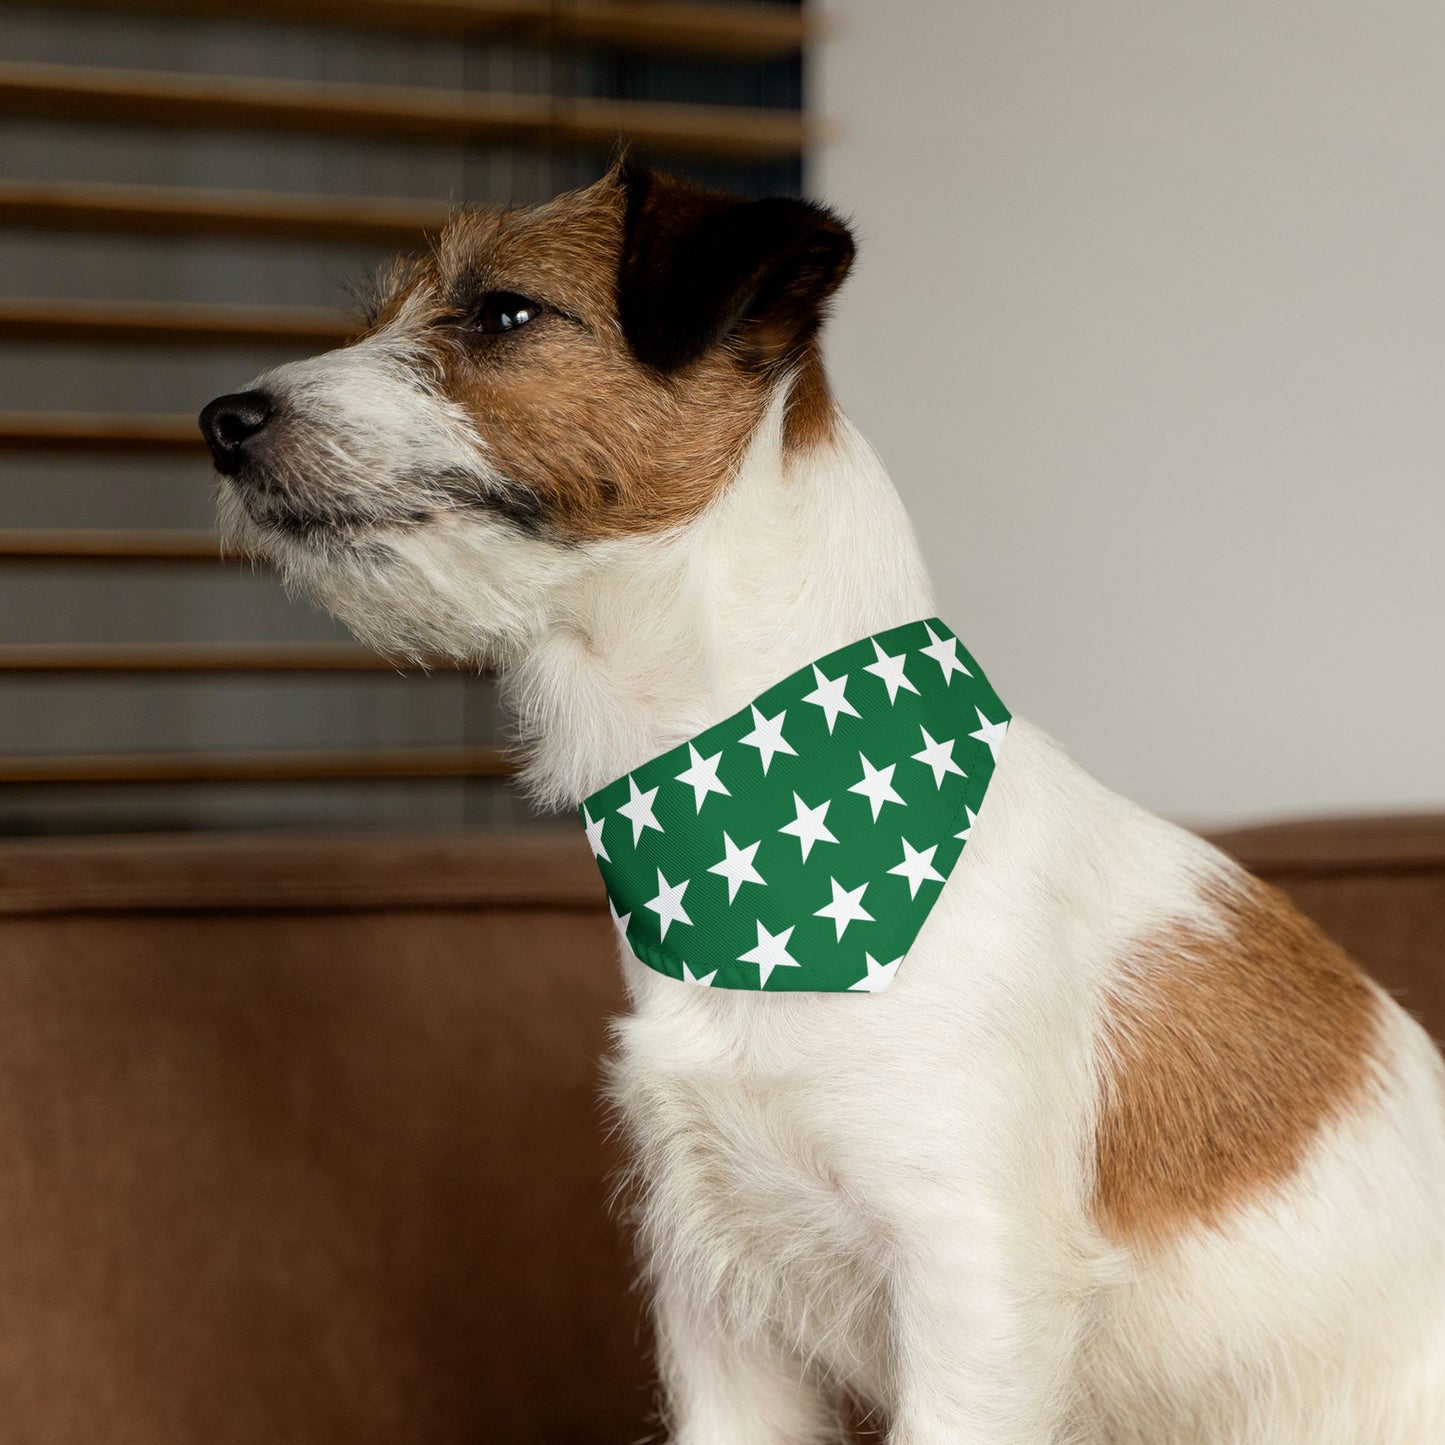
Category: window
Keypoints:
(185, 193)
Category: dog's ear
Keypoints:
(700, 266)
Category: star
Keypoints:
(890, 669)
(990, 733)
(808, 827)
(702, 777)
(917, 867)
(767, 737)
(829, 696)
(944, 651)
(668, 904)
(639, 808)
(593, 828)
(880, 975)
(619, 920)
(737, 866)
(846, 907)
(972, 819)
(771, 952)
(939, 757)
(876, 785)
(702, 981)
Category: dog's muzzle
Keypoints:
(232, 422)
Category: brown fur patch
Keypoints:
(812, 415)
(1227, 1052)
(604, 444)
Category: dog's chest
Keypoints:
(746, 1185)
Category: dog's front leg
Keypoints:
(984, 1338)
(724, 1387)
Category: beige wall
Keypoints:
(1149, 323)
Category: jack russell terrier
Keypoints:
(1060, 1129)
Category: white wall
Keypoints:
(1149, 324)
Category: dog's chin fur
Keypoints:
(458, 586)
(1128, 1154)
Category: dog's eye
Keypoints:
(504, 311)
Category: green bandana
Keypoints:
(800, 843)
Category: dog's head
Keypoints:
(544, 383)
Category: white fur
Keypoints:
(890, 1194)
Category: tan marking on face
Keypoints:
(609, 446)
(1227, 1053)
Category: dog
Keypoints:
(1128, 1153)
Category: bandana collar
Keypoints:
(800, 844)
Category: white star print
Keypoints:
(990, 733)
(917, 867)
(876, 785)
(829, 696)
(890, 669)
(737, 866)
(668, 904)
(594, 834)
(702, 981)
(846, 907)
(972, 819)
(808, 827)
(702, 777)
(944, 651)
(939, 757)
(771, 952)
(880, 975)
(639, 808)
(619, 920)
(767, 737)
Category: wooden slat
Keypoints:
(171, 323)
(188, 657)
(77, 431)
(221, 102)
(174, 211)
(81, 544)
(754, 31)
(331, 765)
(759, 32)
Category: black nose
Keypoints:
(229, 422)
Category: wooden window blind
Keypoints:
(186, 186)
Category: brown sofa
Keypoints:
(302, 1140)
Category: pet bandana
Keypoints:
(800, 844)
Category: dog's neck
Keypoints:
(803, 553)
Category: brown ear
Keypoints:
(699, 266)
